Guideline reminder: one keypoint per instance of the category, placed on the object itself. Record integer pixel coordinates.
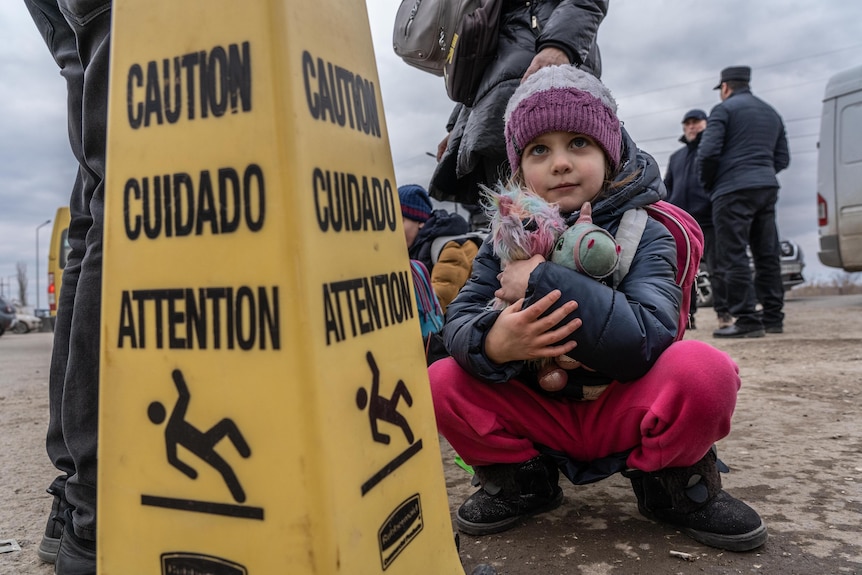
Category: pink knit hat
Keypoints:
(562, 99)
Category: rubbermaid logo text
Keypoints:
(183, 563)
(400, 528)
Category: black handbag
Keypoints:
(473, 48)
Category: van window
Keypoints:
(851, 143)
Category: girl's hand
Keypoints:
(515, 278)
(520, 334)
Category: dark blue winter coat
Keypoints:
(682, 181)
(624, 329)
(441, 223)
(743, 147)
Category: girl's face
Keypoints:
(564, 168)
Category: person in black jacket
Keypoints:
(684, 189)
(742, 149)
(78, 36)
(635, 400)
(532, 35)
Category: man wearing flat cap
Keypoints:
(684, 189)
(734, 74)
(742, 149)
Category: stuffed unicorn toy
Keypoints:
(523, 225)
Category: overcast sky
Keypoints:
(660, 58)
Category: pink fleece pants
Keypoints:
(669, 418)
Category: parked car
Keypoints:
(7, 315)
(792, 264)
(25, 322)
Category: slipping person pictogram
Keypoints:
(180, 432)
(381, 408)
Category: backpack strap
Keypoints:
(681, 226)
(628, 237)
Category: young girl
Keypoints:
(647, 406)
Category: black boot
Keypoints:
(510, 491)
(50, 543)
(75, 556)
(691, 499)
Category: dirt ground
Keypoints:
(795, 454)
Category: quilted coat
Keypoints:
(625, 327)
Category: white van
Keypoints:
(839, 172)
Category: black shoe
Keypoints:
(691, 499)
(47, 550)
(510, 492)
(777, 328)
(691, 323)
(75, 556)
(736, 331)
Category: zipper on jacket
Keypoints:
(534, 20)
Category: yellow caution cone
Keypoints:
(264, 400)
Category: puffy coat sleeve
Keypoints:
(572, 28)
(711, 146)
(625, 329)
(469, 319)
(782, 152)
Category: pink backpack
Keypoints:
(689, 247)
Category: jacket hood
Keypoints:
(646, 186)
(442, 223)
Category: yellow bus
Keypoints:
(58, 253)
